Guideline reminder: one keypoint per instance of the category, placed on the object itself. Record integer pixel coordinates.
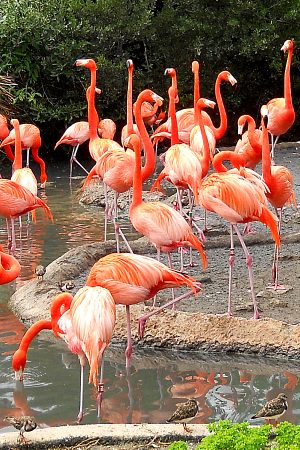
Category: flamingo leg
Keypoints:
(105, 211)
(171, 267)
(256, 314)
(13, 237)
(74, 151)
(27, 157)
(118, 231)
(275, 267)
(143, 319)
(128, 351)
(231, 264)
(80, 413)
(158, 259)
(100, 388)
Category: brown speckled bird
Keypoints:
(273, 409)
(40, 271)
(184, 413)
(22, 423)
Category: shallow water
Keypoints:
(225, 387)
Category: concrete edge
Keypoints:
(104, 434)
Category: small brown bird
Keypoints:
(22, 423)
(40, 271)
(184, 413)
(273, 409)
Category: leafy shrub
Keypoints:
(288, 436)
(178, 445)
(237, 436)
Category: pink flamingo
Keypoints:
(4, 132)
(30, 139)
(132, 279)
(237, 200)
(279, 180)
(249, 146)
(281, 114)
(10, 268)
(130, 127)
(164, 227)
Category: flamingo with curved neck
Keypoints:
(281, 114)
(186, 117)
(165, 227)
(10, 268)
(249, 146)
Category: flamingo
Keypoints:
(107, 129)
(281, 114)
(249, 146)
(10, 268)
(280, 192)
(16, 200)
(97, 146)
(4, 132)
(186, 117)
(87, 328)
(130, 127)
(164, 227)
(75, 135)
(238, 199)
(132, 279)
(30, 139)
(22, 175)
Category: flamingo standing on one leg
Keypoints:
(132, 279)
(30, 139)
(75, 135)
(281, 114)
(280, 192)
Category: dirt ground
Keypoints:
(281, 304)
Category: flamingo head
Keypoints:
(88, 63)
(288, 45)
(195, 67)
(170, 71)
(129, 63)
(205, 103)
(149, 96)
(14, 122)
(132, 141)
(18, 363)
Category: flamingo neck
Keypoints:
(17, 164)
(196, 90)
(172, 115)
(254, 142)
(137, 198)
(287, 80)
(205, 159)
(235, 159)
(174, 86)
(221, 130)
(266, 155)
(31, 333)
(41, 162)
(93, 117)
(59, 305)
(129, 102)
(10, 268)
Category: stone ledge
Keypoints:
(104, 434)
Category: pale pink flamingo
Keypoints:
(281, 114)
(30, 139)
(249, 146)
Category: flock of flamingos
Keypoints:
(240, 195)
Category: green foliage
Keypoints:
(239, 436)
(178, 445)
(288, 436)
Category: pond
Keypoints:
(225, 386)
